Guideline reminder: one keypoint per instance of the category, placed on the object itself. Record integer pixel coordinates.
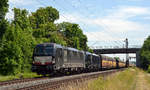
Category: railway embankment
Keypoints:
(130, 79)
(18, 76)
(56, 82)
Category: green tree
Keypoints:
(44, 29)
(145, 54)
(3, 8)
(17, 45)
(42, 16)
(3, 22)
(11, 54)
(74, 35)
(25, 40)
(19, 37)
(117, 58)
(3, 26)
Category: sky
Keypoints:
(107, 23)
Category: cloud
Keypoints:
(114, 25)
(22, 2)
(117, 20)
(125, 12)
(110, 26)
(10, 15)
(118, 25)
(99, 36)
(75, 3)
(72, 17)
(147, 18)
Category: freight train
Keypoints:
(51, 58)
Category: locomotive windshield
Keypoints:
(43, 50)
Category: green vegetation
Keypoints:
(73, 35)
(18, 76)
(130, 79)
(145, 54)
(148, 70)
(19, 36)
(122, 81)
(147, 77)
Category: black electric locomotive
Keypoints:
(51, 57)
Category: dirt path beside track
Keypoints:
(141, 82)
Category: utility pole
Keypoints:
(127, 55)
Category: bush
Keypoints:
(148, 70)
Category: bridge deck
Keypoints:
(116, 51)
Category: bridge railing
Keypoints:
(114, 47)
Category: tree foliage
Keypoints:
(17, 44)
(3, 28)
(3, 8)
(3, 22)
(74, 35)
(19, 36)
(44, 28)
(145, 54)
(43, 16)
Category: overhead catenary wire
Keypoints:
(71, 20)
(101, 22)
(83, 23)
(64, 16)
(82, 13)
(46, 5)
(60, 5)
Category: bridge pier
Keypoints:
(138, 58)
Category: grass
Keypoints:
(125, 80)
(121, 81)
(147, 77)
(18, 76)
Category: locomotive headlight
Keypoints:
(33, 62)
(35, 58)
(49, 57)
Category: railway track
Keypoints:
(53, 83)
(15, 81)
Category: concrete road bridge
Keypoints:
(129, 50)
(125, 49)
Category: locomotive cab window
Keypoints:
(48, 50)
(39, 50)
(43, 50)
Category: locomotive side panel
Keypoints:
(96, 62)
(59, 58)
(88, 60)
(74, 59)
